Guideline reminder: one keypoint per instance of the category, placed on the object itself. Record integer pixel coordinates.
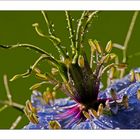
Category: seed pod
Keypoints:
(54, 125)
(132, 75)
(100, 109)
(81, 61)
(108, 47)
(98, 48)
(138, 94)
(86, 114)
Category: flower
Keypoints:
(88, 106)
(66, 114)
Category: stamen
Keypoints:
(112, 56)
(54, 125)
(54, 71)
(108, 47)
(67, 62)
(113, 94)
(137, 76)
(92, 45)
(121, 66)
(33, 118)
(36, 70)
(86, 114)
(41, 76)
(37, 85)
(81, 61)
(48, 96)
(98, 48)
(138, 94)
(106, 58)
(93, 113)
(125, 101)
(100, 110)
(30, 108)
(111, 73)
(132, 75)
(57, 87)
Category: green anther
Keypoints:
(108, 47)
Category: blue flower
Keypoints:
(68, 113)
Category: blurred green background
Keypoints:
(16, 27)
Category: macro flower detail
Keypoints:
(88, 105)
(67, 113)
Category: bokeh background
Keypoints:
(16, 27)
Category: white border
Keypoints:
(69, 5)
(70, 134)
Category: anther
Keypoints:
(108, 47)
(138, 94)
(29, 107)
(113, 94)
(125, 101)
(98, 48)
(54, 125)
(33, 118)
(54, 71)
(132, 76)
(41, 76)
(93, 113)
(100, 110)
(92, 45)
(86, 114)
(137, 76)
(48, 96)
(81, 61)
(112, 56)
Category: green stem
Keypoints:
(56, 41)
(78, 37)
(13, 104)
(9, 96)
(30, 46)
(69, 22)
(127, 39)
(128, 36)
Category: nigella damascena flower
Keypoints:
(79, 77)
(119, 109)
